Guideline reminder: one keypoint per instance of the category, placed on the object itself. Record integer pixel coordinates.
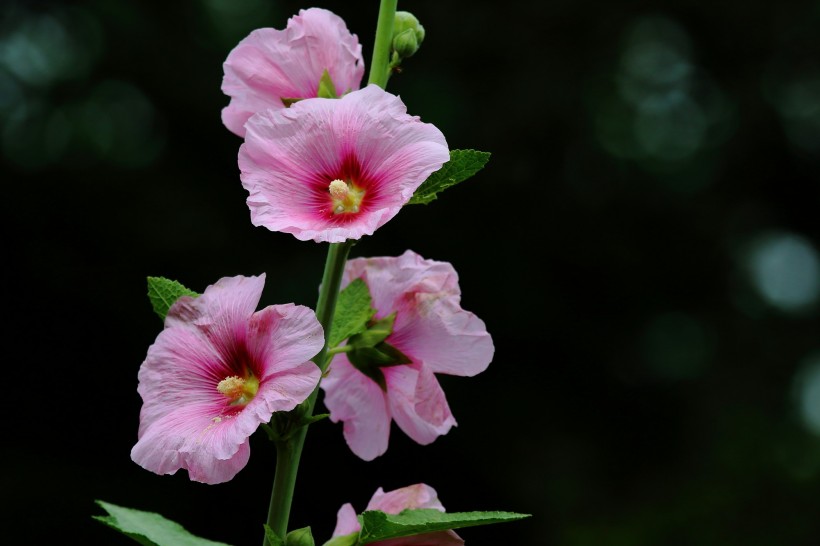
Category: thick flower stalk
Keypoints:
(430, 331)
(216, 372)
(270, 68)
(336, 169)
(393, 502)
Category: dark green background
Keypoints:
(642, 246)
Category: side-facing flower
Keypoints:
(336, 169)
(216, 372)
(270, 65)
(411, 497)
(431, 330)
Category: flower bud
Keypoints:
(300, 537)
(407, 34)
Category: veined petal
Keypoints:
(417, 403)
(411, 497)
(346, 521)
(360, 403)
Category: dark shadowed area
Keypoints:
(643, 247)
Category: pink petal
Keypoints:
(413, 497)
(290, 157)
(346, 521)
(417, 402)
(360, 403)
(272, 64)
(445, 337)
(284, 336)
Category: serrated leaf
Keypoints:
(378, 526)
(326, 89)
(462, 165)
(164, 292)
(272, 538)
(148, 528)
(353, 311)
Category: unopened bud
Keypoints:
(300, 537)
(408, 34)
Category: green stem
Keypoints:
(380, 65)
(288, 452)
(337, 350)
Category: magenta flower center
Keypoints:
(239, 390)
(346, 196)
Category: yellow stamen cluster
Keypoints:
(345, 196)
(239, 390)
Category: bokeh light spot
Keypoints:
(785, 270)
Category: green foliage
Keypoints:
(164, 292)
(462, 165)
(148, 528)
(326, 90)
(378, 526)
(353, 311)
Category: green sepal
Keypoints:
(300, 537)
(345, 540)
(353, 311)
(148, 528)
(462, 165)
(284, 424)
(376, 332)
(377, 526)
(272, 538)
(164, 292)
(326, 88)
(370, 360)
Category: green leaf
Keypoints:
(462, 165)
(164, 292)
(300, 537)
(380, 526)
(370, 361)
(326, 88)
(272, 537)
(345, 540)
(148, 528)
(353, 311)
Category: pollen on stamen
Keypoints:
(232, 386)
(338, 189)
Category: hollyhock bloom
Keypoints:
(270, 65)
(430, 329)
(336, 169)
(216, 372)
(412, 497)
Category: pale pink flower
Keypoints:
(336, 169)
(216, 372)
(270, 65)
(412, 497)
(431, 329)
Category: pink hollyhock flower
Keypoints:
(270, 65)
(216, 372)
(412, 497)
(336, 169)
(430, 329)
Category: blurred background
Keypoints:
(643, 246)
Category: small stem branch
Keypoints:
(338, 350)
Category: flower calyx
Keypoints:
(370, 352)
